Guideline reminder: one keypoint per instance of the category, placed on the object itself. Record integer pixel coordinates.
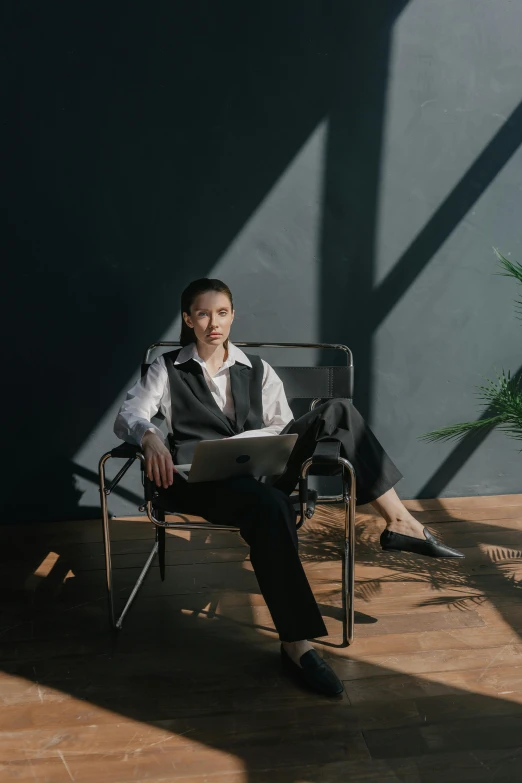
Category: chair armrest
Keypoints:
(325, 459)
(325, 462)
(157, 495)
(125, 451)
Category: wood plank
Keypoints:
(352, 668)
(500, 732)
(53, 769)
(164, 760)
(424, 621)
(467, 638)
(254, 729)
(502, 682)
(20, 570)
(471, 767)
(463, 506)
(475, 501)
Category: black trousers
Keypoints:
(266, 517)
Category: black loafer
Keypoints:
(429, 546)
(314, 672)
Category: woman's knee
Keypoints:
(341, 402)
(343, 407)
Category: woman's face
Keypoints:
(211, 317)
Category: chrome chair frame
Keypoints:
(347, 497)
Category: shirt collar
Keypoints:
(235, 354)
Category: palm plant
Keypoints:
(502, 397)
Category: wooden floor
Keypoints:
(191, 689)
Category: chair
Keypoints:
(314, 383)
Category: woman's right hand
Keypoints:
(158, 460)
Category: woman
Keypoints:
(210, 389)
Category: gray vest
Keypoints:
(196, 415)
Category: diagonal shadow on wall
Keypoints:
(465, 194)
(142, 140)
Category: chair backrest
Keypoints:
(316, 382)
(313, 383)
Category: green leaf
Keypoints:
(511, 270)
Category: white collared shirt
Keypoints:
(151, 395)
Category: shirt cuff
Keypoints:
(141, 429)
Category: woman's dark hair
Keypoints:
(188, 297)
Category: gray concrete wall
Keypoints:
(345, 171)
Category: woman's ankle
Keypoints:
(295, 650)
(407, 525)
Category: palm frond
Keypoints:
(459, 430)
(511, 270)
(503, 398)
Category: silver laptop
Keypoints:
(230, 457)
